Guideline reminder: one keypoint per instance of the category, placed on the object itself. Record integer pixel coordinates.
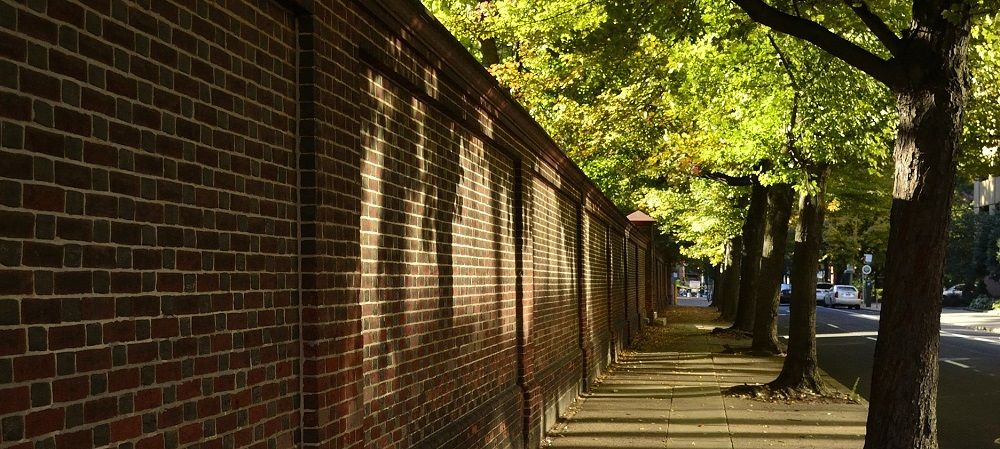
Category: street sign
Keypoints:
(867, 269)
(868, 258)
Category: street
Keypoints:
(969, 388)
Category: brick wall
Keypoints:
(287, 224)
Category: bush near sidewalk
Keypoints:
(985, 303)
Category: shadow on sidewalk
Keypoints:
(667, 393)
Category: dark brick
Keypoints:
(10, 253)
(13, 428)
(65, 364)
(74, 417)
(44, 227)
(44, 282)
(72, 310)
(41, 394)
(10, 194)
(10, 311)
(42, 169)
(13, 138)
(74, 202)
(102, 282)
(72, 256)
(37, 338)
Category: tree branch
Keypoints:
(729, 180)
(785, 62)
(877, 26)
(878, 68)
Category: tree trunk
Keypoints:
(772, 266)
(799, 373)
(753, 241)
(488, 45)
(729, 287)
(903, 406)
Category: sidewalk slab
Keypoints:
(667, 393)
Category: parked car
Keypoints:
(822, 288)
(954, 290)
(843, 295)
(785, 294)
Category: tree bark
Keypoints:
(929, 75)
(799, 372)
(730, 283)
(772, 265)
(488, 45)
(903, 410)
(753, 241)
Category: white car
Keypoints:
(843, 295)
(822, 288)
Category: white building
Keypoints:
(986, 195)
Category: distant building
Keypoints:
(986, 195)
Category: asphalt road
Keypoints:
(969, 388)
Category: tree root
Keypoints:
(772, 392)
(729, 332)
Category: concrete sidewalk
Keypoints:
(667, 394)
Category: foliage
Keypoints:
(984, 302)
(981, 136)
(973, 246)
(648, 96)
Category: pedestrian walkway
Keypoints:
(668, 394)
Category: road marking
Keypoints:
(872, 338)
(833, 326)
(952, 362)
(968, 337)
(848, 334)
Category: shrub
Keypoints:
(985, 303)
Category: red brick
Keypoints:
(34, 367)
(15, 399)
(17, 225)
(70, 389)
(93, 360)
(42, 197)
(15, 107)
(126, 429)
(65, 337)
(14, 282)
(123, 379)
(100, 410)
(43, 422)
(40, 254)
(148, 399)
(12, 47)
(80, 438)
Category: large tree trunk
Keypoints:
(772, 266)
(753, 241)
(729, 287)
(799, 372)
(902, 414)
